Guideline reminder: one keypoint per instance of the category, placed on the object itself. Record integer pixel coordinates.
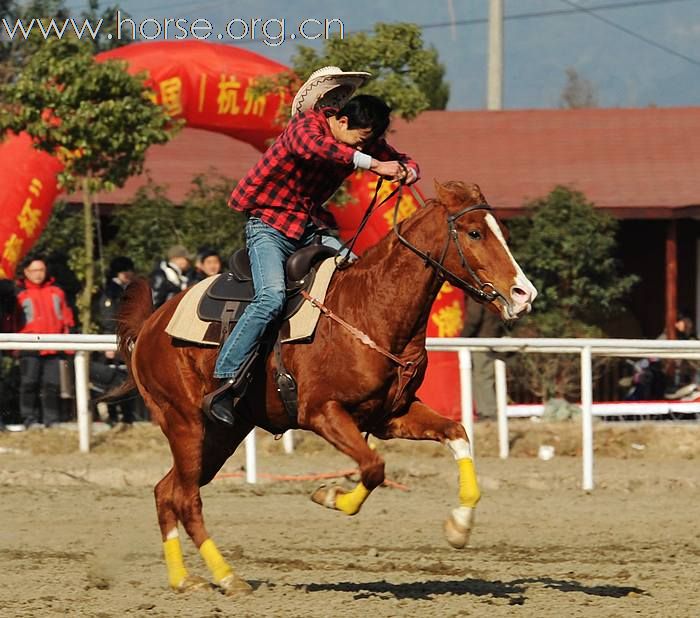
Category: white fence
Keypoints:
(586, 348)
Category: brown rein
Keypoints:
(356, 332)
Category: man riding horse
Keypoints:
(328, 137)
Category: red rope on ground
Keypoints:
(309, 477)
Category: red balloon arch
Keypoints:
(211, 86)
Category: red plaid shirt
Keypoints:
(299, 172)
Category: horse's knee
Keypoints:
(372, 473)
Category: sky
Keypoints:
(636, 53)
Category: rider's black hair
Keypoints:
(366, 112)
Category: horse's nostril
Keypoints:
(518, 293)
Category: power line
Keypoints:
(632, 33)
(512, 17)
(574, 8)
(461, 22)
(550, 13)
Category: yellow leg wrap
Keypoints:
(469, 493)
(177, 573)
(351, 502)
(215, 561)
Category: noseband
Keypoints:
(483, 291)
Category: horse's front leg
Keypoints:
(423, 423)
(333, 423)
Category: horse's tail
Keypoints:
(135, 307)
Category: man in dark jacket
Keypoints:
(121, 274)
(480, 322)
(171, 276)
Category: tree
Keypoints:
(15, 52)
(95, 117)
(146, 227)
(152, 222)
(567, 249)
(579, 92)
(405, 74)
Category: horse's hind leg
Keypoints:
(178, 577)
(178, 500)
(423, 423)
(334, 424)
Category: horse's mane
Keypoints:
(385, 244)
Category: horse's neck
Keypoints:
(403, 286)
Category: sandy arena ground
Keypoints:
(78, 533)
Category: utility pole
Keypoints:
(494, 97)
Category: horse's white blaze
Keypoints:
(520, 279)
(460, 448)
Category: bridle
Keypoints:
(480, 291)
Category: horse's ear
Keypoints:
(444, 195)
(457, 194)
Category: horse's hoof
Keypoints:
(234, 586)
(458, 527)
(325, 496)
(192, 582)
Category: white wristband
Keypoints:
(361, 160)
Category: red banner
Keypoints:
(210, 85)
(28, 178)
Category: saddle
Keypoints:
(227, 297)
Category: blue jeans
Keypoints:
(268, 250)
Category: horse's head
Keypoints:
(478, 252)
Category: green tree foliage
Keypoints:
(95, 117)
(152, 223)
(16, 51)
(567, 249)
(406, 74)
(144, 229)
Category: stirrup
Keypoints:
(220, 404)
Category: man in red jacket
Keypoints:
(43, 309)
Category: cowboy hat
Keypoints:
(329, 86)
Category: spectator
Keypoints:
(682, 373)
(207, 263)
(121, 274)
(8, 315)
(171, 275)
(480, 322)
(107, 370)
(44, 310)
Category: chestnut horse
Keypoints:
(345, 387)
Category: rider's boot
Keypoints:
(220, 405)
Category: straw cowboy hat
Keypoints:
(329, 86)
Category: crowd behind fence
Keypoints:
(587, 349)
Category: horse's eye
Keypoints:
(474, 234)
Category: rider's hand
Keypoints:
(391, 170)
